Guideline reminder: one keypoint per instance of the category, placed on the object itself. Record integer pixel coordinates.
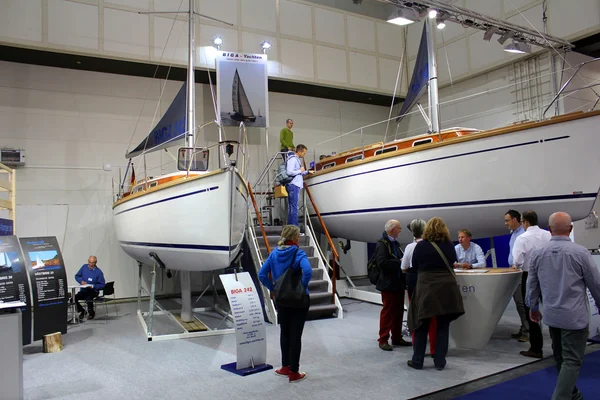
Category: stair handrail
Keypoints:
(259, 217)
(266, 169)
(336, 256)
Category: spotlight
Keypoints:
(489, 33)
(265, 46)
(505, 36)
(217, 42)
(517, 48)
(433, 14)
(440, 23)
(404, 16)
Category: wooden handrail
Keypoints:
(336, 256)
(262, 228)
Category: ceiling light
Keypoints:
(265, 46)
(404, 16)
(440, 23)
(217, 42)
(433, 13)
(505, 36)
(517, 48)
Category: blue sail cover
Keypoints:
(170, 128)
(419, 79)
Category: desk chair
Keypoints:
(109, 290)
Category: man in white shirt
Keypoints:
(534, 238)
(512, 220)
(469, 255)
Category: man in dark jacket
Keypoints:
(391, 284)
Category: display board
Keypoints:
(250, 334)
(6, 227)
(14, 283)
(49, 284)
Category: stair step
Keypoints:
(304, 241)
(321, 311)
(270, 230)
(317, 274)
(310, 252)
(320, 298)
(314, 263)
(318, 285)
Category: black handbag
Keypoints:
(289, 291)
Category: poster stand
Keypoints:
(250, 333)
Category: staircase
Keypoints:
(321, 297)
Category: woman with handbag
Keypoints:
(291, 297)
(436, 294)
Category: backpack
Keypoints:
(373, 270)
(282, 177)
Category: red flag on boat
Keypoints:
(132, 183)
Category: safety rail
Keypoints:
(259, 217)
(562, 89)
(336, 256)
(9, 185)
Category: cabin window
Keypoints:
(152, 184)
(422, 141)
(331, 164)
(354, 158)
(386, 150)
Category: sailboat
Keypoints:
(242, 111)
(39, 263)
(193, 219)
(5, 263)
(466, 176)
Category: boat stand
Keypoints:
(146, 318)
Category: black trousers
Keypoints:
(536, 340)
(441, 347)
(291, 322)
(411, 283)
(88, 294)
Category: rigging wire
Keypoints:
(396, 87)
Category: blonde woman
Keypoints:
(436, 294)
(291, 319)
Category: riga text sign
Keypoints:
(49, 284)
(248, 319)
(14, 285)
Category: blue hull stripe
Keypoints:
(444, 158)
(169, 199)
(464, 204)
(180, 246)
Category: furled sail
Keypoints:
(241, 105)
(169, 129)
(419, 79)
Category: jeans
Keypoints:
(420, 342)
(520, 304)
(88, 294)
(536, 340)
(392, 314)
(568, 347)
(291, 322)
(293, 195)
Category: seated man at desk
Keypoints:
(469, 255)
(89, 274)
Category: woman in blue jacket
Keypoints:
(291, 319)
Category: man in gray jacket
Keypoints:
(561, 272)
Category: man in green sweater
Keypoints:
(286, 137)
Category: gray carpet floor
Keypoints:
(115, 361)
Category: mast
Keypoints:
(190, 124)
(434, 104)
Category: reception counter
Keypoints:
(485, 296)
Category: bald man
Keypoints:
(561, 272)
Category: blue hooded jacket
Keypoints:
(279, 261)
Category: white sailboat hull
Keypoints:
(470, 184)
(197, 225)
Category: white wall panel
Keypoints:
(173, 46)
(449, 33)
(363, 69)
(454, 54)
(297, 19)
(414, 32)
(126, 32)
(388, 72)
(259, 14)
(225, 10)
(490, 8)
(361, 33)
(229, 36)
(331, 64)
(565, 19)
(297, 58)
(21, 19)
(484, 54)
(329, 27)
(251, 44)
(72, 24)
(390, 39)
(144, 4)
(170, 5)
(531, 18)
(511, 6)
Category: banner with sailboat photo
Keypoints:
(242, 89)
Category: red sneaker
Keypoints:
(283, 371)
(297, 376)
